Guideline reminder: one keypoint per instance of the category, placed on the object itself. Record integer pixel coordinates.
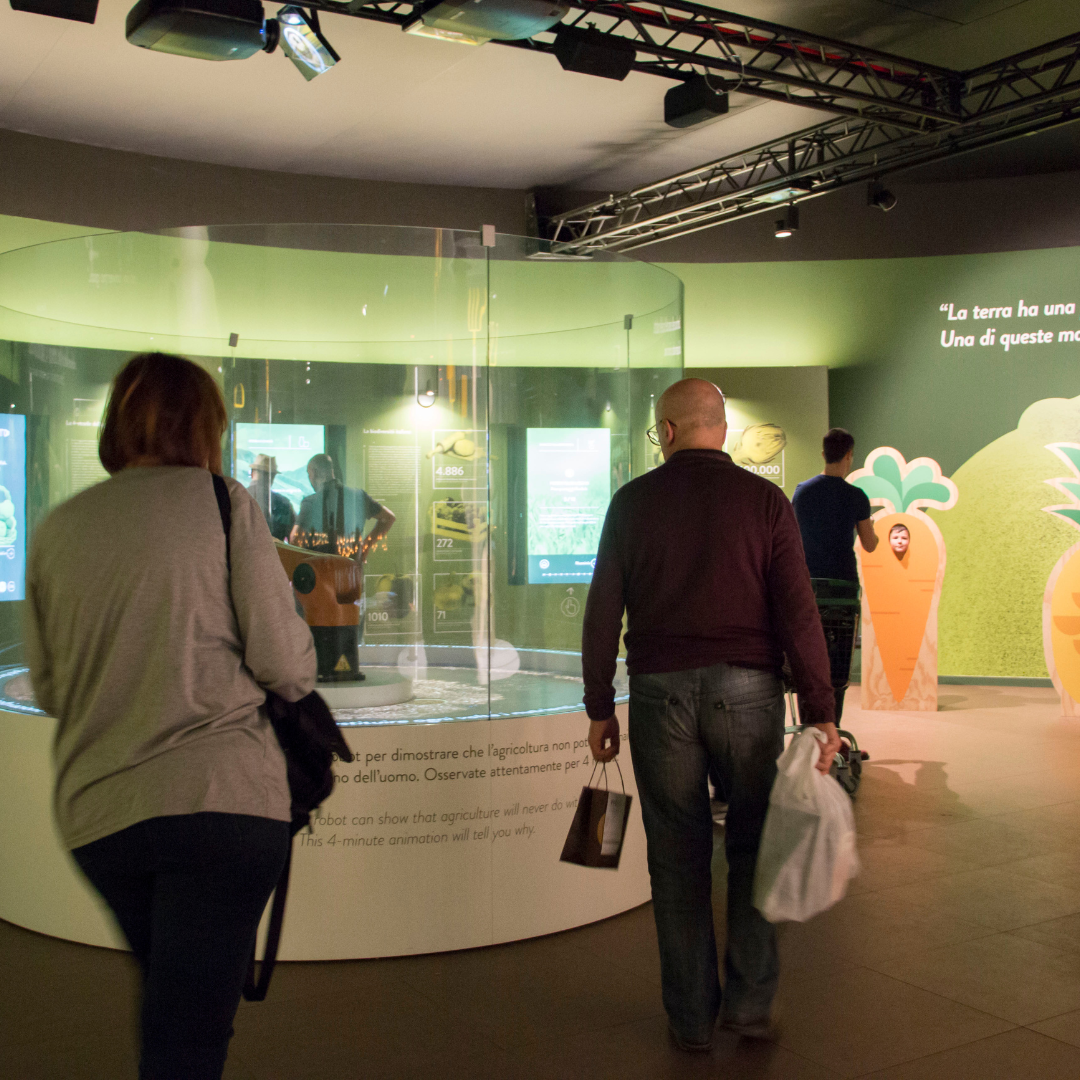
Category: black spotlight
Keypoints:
(591, 52)
(694, 101)
(879, 196)
(75, 10)
(789, 223)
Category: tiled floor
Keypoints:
(956, 954)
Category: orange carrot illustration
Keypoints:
(1061, 601)
(902, 578)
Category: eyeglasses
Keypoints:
(653, 433)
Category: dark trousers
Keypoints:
(682, 723)
(188, 892)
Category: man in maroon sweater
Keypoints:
(707, 561)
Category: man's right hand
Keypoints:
(829, 747)
(604, 738)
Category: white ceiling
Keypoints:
(404, 108)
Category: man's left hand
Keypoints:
(829, 747)
(603, 732)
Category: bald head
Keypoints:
(694, 411)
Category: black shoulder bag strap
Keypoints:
(255, 990)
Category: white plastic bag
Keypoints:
(807, 854)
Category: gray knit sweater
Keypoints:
(153, 670)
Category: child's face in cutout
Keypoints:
(899, 540)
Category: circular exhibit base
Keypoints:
(380, 687)
(439, 836)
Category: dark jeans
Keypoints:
(681, 723)
(188, 892)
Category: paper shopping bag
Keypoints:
(599, 827)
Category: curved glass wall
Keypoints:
(478, 405)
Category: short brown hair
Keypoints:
(836, 444)
(165, 409)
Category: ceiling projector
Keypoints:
(475, 22)
(205, 29)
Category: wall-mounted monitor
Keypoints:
(568, 490)
(292, 445)
(12, 507)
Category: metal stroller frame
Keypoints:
(839, 606)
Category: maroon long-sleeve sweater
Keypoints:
(708, 562)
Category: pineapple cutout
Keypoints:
(902, 580)
(1061, 601)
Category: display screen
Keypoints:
(12, 507)
(292, 445)
(568, 491)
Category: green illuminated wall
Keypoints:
(986, 414)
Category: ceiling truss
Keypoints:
(886, 112)
(1020, 95)
(679, 38)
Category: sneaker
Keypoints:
(765, 1028)
(719, 812)
(687, 1045)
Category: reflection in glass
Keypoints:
(424, 423)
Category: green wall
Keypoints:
(877, 324)
(984, 413)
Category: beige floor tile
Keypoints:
(1007, 976)
(1061, 867)
(871, 926)
(1061, 934)
(989, 841)
(995, 897)
(1058, 823)
(1015, 1055)
(1012, 793)
(85, 1057)
(889, 862)
(866, 1021)
(644, 1051)
(1065, 1028)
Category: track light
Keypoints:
(789, 223)
(879, 196)
(694, 101)
(303, 43)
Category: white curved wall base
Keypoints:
(391, 867)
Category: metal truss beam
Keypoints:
(676, 38)
(1019, 95)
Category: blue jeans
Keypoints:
(680, 723)
(188, 892)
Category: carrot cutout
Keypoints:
(1061, 601)
(902, 580)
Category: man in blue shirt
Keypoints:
(332, 519)
(830, 511)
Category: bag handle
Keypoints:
(224, 505)
(603, 775)
(255, 989)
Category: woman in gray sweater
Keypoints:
(170, 785)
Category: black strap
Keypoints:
(255, 990)
(224, 505)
